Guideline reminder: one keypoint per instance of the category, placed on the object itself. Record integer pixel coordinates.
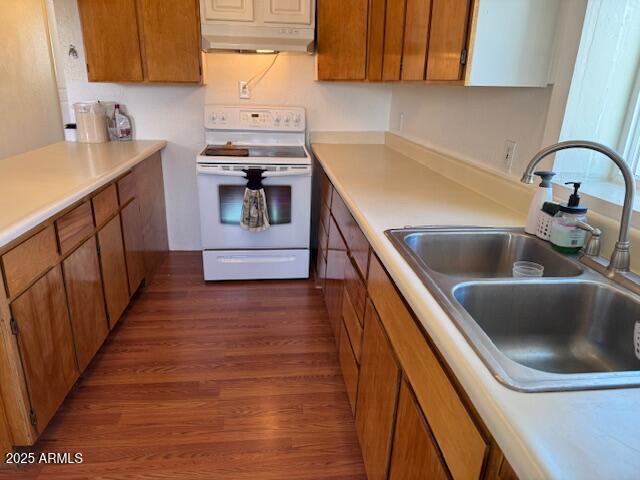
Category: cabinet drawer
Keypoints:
(349, 368)
(461, 443)
(74, 227)
(127, 188)
(105, 204)
(27, 261)
(325, 190)
(352, 325)
(324, 217)
(341, 214)
(359, 248)
(357, 290)
(323, 236)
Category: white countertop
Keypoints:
(563, 435)
(40, 183)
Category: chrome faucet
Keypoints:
(620, 259)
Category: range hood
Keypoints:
(258, 25)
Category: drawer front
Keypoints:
(356, 289)
(462, 445)
(105, 204)
(127, 188)
(323, 237)
(74, 227)
(30, 259)
(352, 325)
(359, 248)
(341, 215)
(349, 368)
(324, 216)
(325, 190)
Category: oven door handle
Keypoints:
(289, 173)
(203, 169)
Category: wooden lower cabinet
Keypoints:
(334, 284)
(114, 269)
(86, 303)
(415, 452)
(349, 367)
(133, 244)
(45, 340)
(377, 397)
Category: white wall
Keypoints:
(30, 114)
(174, 113)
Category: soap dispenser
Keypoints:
(543, 194)
(566, 237)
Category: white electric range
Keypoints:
(271, 139)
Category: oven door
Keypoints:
(288, 192)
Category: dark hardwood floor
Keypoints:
(214, 381)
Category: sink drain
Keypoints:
(636, 339)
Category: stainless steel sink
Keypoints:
(571, 330)
(486, 252)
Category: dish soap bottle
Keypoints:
(122, 124)
(566, 237)
(543, 194)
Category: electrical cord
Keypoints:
(259, 76)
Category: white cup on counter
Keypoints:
(91, 120)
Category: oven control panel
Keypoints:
(274, 119)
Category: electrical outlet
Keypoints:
(509, 154)
(243, 89)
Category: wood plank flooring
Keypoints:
(210, 381)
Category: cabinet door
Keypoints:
(342, 39)
(86, 303)
(393, 39)
(415, 454)
(234, 10)
(46, 345)
(375, 46)
(287, 11)
(133, 244)
(416, 37)
(114, 270)
(170, 33)
(334, 283)
(111, 41)
(377, 397)
(447, 39)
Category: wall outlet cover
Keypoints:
(243, 90)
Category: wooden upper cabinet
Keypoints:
(415, 452)
(114, 269)
(46, 345)
(416, 39)
(375, 46)
(447, 39)
(142, 40)
(86, 303)
(393, 39)
(378, 386)
(170, 33)
(111, 41)
(342, 39)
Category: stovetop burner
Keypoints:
(257, 151)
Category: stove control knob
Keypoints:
(287, 119)
(223, 117)
(277, 119)
(297, 118)
(213, 117)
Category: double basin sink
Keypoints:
(572, 329)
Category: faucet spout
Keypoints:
(620, 259)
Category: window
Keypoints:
(604, 98)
